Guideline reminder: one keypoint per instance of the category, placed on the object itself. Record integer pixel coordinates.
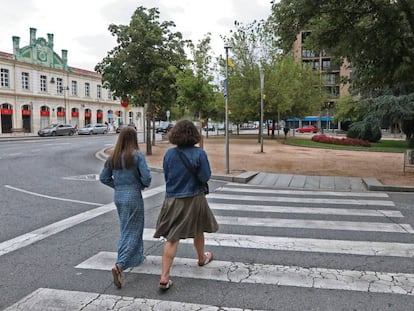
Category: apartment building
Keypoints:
(38, 87)
(331, 72)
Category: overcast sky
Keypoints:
(81, 26)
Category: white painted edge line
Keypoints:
(59, 226)
(252, 273)
(45, 299)
(50, 197)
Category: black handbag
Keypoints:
(191, 169)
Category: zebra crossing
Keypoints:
(275, 239)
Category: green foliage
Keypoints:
(194, 87)
(376, 36)
(411, 143)
(349, 108)
(140, 65)
(289, 89)
(364, 130)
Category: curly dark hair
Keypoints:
(184, 133)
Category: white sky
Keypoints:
(81, 26)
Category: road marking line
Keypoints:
(305, 210)
(366, 248)
(299, 200)
(50, 197)
(239, 272)
(46, 298)
(245, 188)
(44, 232)
(315, 224)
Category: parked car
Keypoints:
(209, 127)
(57, 130)
(98, 128)
(120, 127)
(307, 129)
(164, 127)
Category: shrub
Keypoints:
(411, 143)
(340, 141)
(365, 131)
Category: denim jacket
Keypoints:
(137, 177)
(180, 182)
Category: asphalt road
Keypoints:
(275, 250)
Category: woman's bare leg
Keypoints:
(170, 250)
(199, 246)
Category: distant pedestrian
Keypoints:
(286, 130)
(185, 212)
(127, 172)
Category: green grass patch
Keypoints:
(384, 145)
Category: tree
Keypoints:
(141, 64)
(194, 84)
(375, 36)
(290, 89)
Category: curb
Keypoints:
(374, 184)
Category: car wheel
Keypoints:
(71, 133)
(53, 133)
(91, 132)
(104, 132)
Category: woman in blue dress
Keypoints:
(127, 172)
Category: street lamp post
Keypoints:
(65, 88)
(226, 126)
(261, 107)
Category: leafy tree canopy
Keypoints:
(376, 36)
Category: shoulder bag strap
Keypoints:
(186, 163)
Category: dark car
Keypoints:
(209, 127)
(164, 128)
(119, 128)
(57, 130)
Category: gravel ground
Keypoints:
(245, 155)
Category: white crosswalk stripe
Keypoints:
(239, 272)
(86, 301)
(339, 214)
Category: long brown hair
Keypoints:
(125, 146)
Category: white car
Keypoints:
(98, 128)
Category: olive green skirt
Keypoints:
(182, 218)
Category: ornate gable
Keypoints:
(40, 52)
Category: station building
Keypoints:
(38, 87)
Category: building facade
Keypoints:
(38, 87)
(332, 73)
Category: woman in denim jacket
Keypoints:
(185, 212)
(127, 172)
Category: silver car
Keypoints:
(57, 130)
(98, 128)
